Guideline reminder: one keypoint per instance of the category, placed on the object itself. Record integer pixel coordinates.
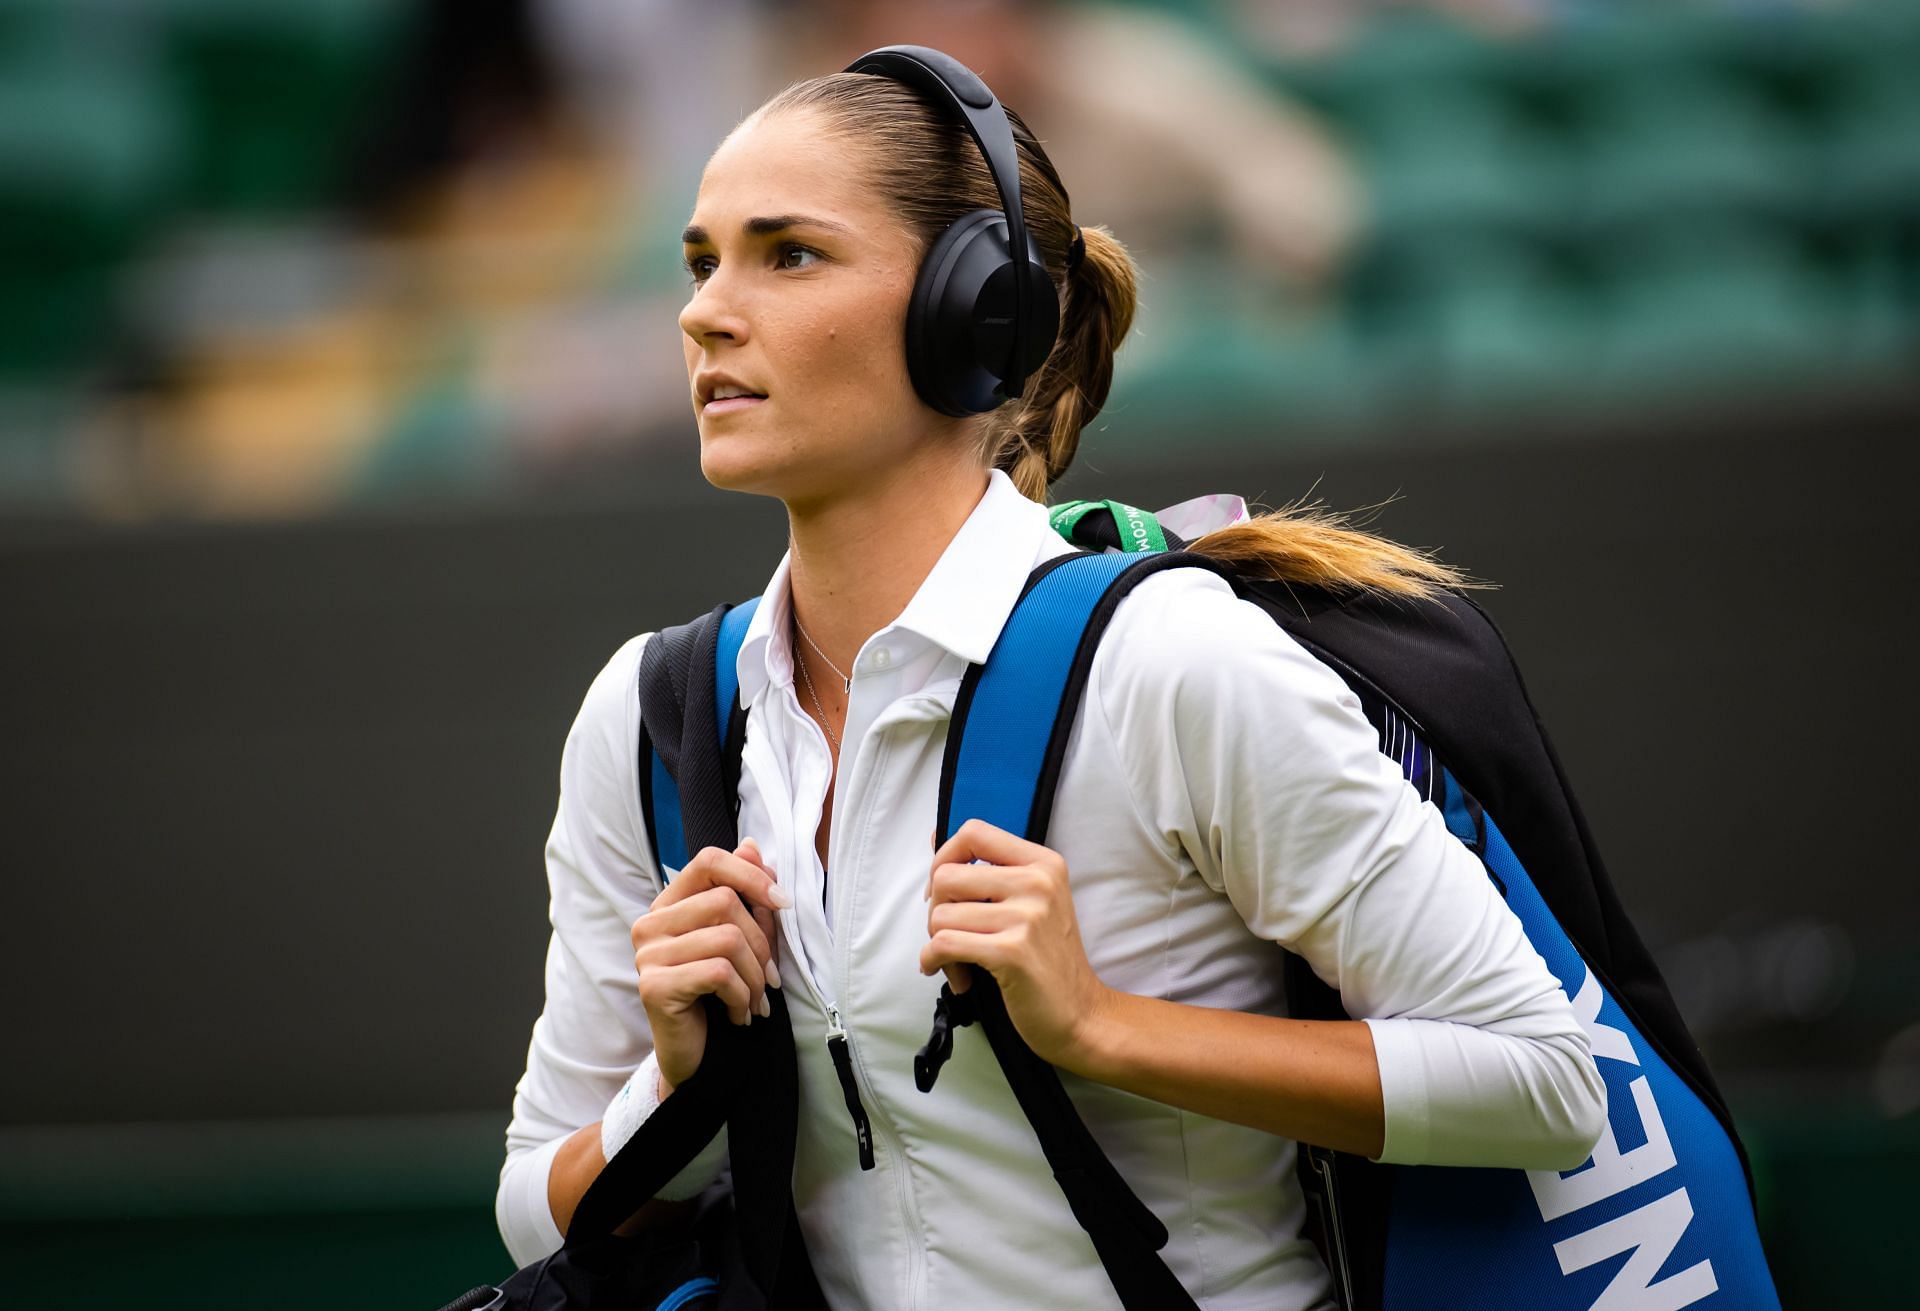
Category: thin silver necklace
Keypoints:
(844, 676)
(807, 678)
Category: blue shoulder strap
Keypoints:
(726, 663)
(669, 831)
(1011, 723)
(1003, 731)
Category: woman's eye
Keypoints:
(700, 267)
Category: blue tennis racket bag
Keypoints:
(1660, 1217)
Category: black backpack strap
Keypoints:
(749, 1077)
(1047, 646)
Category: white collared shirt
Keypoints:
(1221, 793)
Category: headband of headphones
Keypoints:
(953, 85)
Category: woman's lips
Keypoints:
(732, 404)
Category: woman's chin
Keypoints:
(741, 462)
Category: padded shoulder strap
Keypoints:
(692, 729)
(1008, 737)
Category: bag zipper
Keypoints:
(1321, 1162)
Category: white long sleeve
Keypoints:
(592, 1033)
(1257, 756)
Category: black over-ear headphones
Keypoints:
(980, 321)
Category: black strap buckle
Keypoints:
(951, 1009)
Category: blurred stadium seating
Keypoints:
(1602, 208)
(119, 118)
(1636, 201)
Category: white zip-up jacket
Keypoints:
(1221, 794)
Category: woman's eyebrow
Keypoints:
(767, 225)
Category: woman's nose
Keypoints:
(713, 311)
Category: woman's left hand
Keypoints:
(1013, 916)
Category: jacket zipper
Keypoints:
(842, 1054)
(876, 741)
(839, 1047)
(840, 1044)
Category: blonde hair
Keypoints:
(930, 172)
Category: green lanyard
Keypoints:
(1139, 530)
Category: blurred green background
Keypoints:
(341, 419)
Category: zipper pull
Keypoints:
(843, 1066)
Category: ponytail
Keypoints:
(1309, 544)
(1034, 438)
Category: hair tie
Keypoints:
(1077, 251)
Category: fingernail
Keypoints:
(779, 896)
(773, 973)
(765, 1007)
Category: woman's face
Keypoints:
(811, 314)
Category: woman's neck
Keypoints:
(857, 561)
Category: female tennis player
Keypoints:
(1222, 797)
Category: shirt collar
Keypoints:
(961, 606)
(965, 600)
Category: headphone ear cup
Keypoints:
(960, 318)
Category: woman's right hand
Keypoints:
(700, 937)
